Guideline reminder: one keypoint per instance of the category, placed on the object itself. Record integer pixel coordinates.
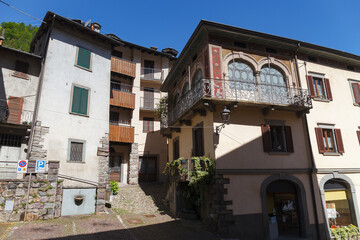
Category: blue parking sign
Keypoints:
(40, 166)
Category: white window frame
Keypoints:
(71, 140)
(332, 127)
(352, 91)
(322, 76)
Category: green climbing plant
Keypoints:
(194, 189)
(346, 232)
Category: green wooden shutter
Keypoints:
(84, 58)
(80, 100)
(84, 101)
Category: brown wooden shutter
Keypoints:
(328, 89)
(358, 134)
(310, 83)
(320, 140)
(15, 109)
(356, 91)
(289, 141)
(339, 141)
(265, 130)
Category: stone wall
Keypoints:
(134, 165)
(37, 151)
(42, 202)
(103, 155)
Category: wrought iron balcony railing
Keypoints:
(151, 74)
(148, 103)
(249, 92)
(15, 115)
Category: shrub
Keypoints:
(114, 187)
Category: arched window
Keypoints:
(197, 78)
(272, 76)
(240, 75)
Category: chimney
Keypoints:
(170, 51)
(154, 48)
(2, 37)
(95, 26)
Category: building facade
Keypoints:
(19, 77)
(265, 186)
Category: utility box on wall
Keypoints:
(78, 201)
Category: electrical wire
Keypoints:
(21, 11)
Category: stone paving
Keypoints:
(138, 219)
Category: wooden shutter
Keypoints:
(339, 141)
(289, 141)
(15, 109)
(320, 140)
(358, 134)
(310, 83)
(265, 130)
(328, 89)
(80, 100)
(84, 58)
(356, 91)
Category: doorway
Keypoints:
(115, 168)
(283, 209)
(147, 169)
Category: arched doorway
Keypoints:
(284, 205)
(339, 203)
(282, 208)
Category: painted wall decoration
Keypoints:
(216, 60)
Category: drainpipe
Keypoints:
(37, 101)
(313, 169)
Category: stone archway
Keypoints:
(350, 192)
(303, 217)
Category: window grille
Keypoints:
(76, 152)
(10, 140)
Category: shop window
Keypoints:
(338, 203)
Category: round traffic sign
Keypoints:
(22, 163)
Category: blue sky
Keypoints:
(162, 24)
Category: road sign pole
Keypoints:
(27, 198)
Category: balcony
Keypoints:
(15, 115)
(245, 93)
(118, 133)
(149, 104)
(121, 96)
(123, 66)
(152, 74)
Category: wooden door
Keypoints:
(147, 169)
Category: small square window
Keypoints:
(148, 124)
(83, 58)
(76, 152)
(79, 101)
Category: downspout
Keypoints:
(313, 169)
(37, 101)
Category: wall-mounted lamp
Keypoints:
(225, 116)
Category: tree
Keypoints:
(18, 35)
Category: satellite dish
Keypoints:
(87, 23)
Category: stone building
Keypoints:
(19, 77)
